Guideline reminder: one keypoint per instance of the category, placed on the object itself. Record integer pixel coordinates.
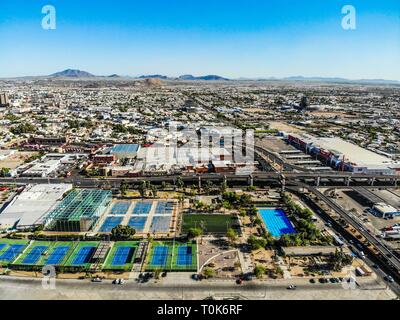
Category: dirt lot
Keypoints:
(15, 160)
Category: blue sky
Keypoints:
(235, 38)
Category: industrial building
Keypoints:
(343, 155)
(28, 209)
(48, 165)
(79, 211)
(385, 210)
(125, 151)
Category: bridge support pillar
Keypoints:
(199, 183)
(395, 182)
(317, 181)
(251, 181)
(348, 181)
(372, 181)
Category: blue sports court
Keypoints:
(57, 255)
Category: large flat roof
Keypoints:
(123, 148)
(352, 153)
(32, 204)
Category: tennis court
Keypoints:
(12, 252)
(137, 223)
(164, 207)
(2, 246)
(142, 208)
(160, 256)
(168, 255)
(184, 257)
(58, 254)
(110, 223)
(34, 255)
(160, 224)
(121, 256)
(83, 256)
(120, 208)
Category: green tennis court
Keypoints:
(172, 256)
(121, 256)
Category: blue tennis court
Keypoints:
(164, 207)
(12, 251)
(137, 223)
(160, 224)
(57, 255)
(110, 223)
(122, 256)
(34, 255)
(142, 208)
(2, 246)
(184, 257)
(276, 221)
(160, 256)
(120, 208)
(83, 256)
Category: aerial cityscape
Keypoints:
(159, 185)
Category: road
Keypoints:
(24, 288)
(388, 260)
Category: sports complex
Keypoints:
(87, 255)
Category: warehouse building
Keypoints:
(385, 210)
(125, 151)
(28, 209)
(79, 211)
(343, 155)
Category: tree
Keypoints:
(123, 232)
(195, 232)
(143, 189)
(154, 191)
(179, 183)
(208, 272)
(5, 172)
(208, 187)
(123, 189)
(224, 187)
(259, 271)
(231, 235)
(256, 243)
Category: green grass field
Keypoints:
(210, 223)
(170, 260)
(108, 264)
(74, 255)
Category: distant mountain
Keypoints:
(72, 73)
(154, 76)
(211, 77)
(114, 76)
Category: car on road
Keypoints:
(312, 280)
(118, 281)
(292, 287)
(389, 279)
(97, 279)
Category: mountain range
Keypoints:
(77, 74)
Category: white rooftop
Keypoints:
(32, 204)
(352, 153)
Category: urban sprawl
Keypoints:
(214, 185)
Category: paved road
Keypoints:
(22, 288)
